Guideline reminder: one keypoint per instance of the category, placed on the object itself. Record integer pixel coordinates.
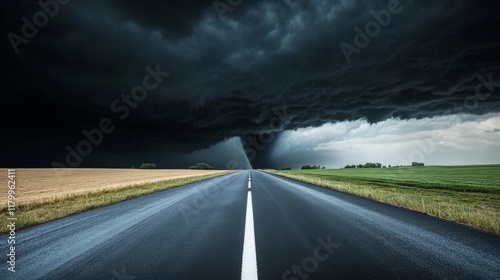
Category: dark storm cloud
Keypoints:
(173, 18)
(227, 76)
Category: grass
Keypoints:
(37, 212)
(468, 195)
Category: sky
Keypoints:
(241, 84)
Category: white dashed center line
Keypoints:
(249, 259)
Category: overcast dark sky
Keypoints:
(258, 67)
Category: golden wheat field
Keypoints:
(45, 185)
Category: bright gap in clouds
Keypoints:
(446, 140)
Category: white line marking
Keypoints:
(249, 259)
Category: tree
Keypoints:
(417, 163)
(201, 166)
(310, 167)
(148, 166)
(366, 165)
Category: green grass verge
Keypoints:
(468, 195)
(38, 213)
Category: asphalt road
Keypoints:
(271, 226)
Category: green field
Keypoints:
(465, 194)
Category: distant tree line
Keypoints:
(379, 165)
(201, 166)
(147, 166)
(312, 167)
(366, 165)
